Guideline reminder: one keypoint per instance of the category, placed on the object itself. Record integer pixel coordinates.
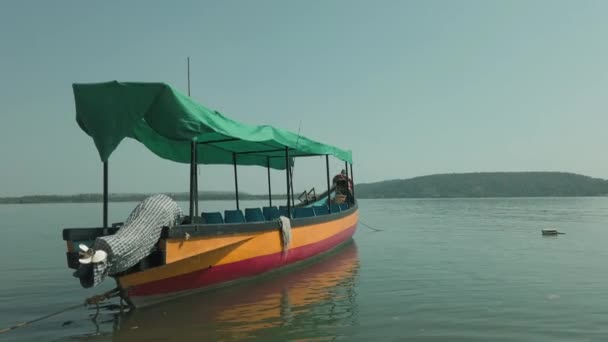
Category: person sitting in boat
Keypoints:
(343, 187)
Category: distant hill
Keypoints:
(486, 184)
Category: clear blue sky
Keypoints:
(412, 87)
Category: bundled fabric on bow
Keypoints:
(133, 242)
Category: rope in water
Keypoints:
(95, 300)
(26, 323)
(370, 227)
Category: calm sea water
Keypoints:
(442, 270)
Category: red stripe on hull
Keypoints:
(246, 268)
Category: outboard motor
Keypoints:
(133, 242)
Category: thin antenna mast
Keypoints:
(194, 186)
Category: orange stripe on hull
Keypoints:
(182, 249)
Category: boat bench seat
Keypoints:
(320, 210)
(254, 215)
(270, 213)
(212, 218)
(234, 216)
(283, 211)
(303, 212)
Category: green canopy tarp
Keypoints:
(166, 122)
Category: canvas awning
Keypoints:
(166, 122)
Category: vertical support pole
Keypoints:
(193, 167)
(287, 167)
(328, 187)
(192, 173)
(269, 190)
(293, 202)
(347, 183)
(352, 177)
(346, 168)
(236, 181)
(105, 195)
(196, 179)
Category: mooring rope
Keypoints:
(26, 323)
(370, 227)
(95, 300)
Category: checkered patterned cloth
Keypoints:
(137, 237)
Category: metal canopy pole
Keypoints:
(196, 179)
(293, 203)
(105, 194)
(236, 181)
(346, 169)
(193, 167)
(269, 190)
(192, 173)
(287, 178)
(347, 182)
(352, 177)
(328, 188)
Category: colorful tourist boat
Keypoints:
(203, 250)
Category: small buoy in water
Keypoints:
(550, 231)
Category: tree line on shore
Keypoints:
(487, 184)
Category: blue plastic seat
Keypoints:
(283, 211)
(234, 216)
(320, 210)
(271, 213)
(254, 215)
(303, 212)
(212, 218)
(335, 208)
(343, 206)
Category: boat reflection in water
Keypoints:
(306, 301)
